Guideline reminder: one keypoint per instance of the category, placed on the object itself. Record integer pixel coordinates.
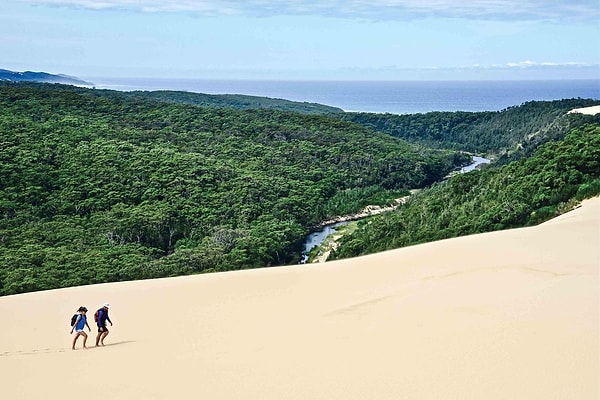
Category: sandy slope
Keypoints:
(505, 315)
(593, 110)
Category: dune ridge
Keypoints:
(502, 315)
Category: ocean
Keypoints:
(397, 97)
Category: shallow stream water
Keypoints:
(316, 239)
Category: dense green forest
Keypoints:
(509, 134)
(525, 192)
(100, 186)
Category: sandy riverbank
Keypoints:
(503, 315)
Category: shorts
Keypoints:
(102, 329)
(78, 331)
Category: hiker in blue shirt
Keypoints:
(79, 325)
(102, 317)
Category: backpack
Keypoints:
(74, 319)
(96, 315)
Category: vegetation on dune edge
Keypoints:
(526, 192)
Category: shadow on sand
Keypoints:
(114, 344)
(46, 351)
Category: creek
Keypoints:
(477, 161)
(316, 238)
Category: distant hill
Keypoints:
(30, 76)
(511, 133)
(238, 101)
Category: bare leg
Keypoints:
(85, 336)
(74, 340)
(98, 338)
(105, 334)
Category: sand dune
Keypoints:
(504, 315)
(593, 110)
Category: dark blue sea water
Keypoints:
(398, 97)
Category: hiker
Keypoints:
(79, 324)
(101, 317)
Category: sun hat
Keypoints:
(106, 305)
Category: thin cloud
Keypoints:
(509, 65)
(522, 65)
(534, 64)
(559, 10)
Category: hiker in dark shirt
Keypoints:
(102, 314)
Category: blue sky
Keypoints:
(304, 40)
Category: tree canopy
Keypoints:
(100, 186)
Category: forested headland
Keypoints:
(101, 186)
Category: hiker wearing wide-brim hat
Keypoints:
(101, 317)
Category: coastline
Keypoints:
(396, 97)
